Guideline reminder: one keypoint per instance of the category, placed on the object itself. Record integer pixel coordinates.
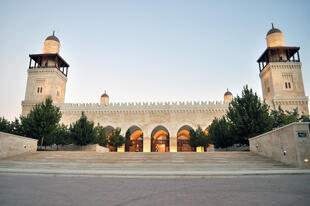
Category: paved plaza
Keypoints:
(90, 178)
(62, 190)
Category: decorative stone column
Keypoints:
(146, 144)
(173, 144)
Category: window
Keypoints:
(39, 90)
(288, 85)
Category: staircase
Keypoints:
(141, 164)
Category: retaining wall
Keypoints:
(11, 145)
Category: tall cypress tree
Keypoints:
(220, 133)
(82, 131)
(248, 116)
(42, 120)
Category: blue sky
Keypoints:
(142, 51)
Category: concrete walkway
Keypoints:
(145, 164)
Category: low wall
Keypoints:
(95, 147)
(71, 147)
(289, 144)
(11, 145)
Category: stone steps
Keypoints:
(223, 161)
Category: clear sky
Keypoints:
(142, 51)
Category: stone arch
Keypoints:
(160, 139)
(109, 129)
(134, 139)
(183, 139)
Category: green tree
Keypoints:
(248, 116)
(5, 125)
(304, 118)
(61, 135)
(220, 133)
(116, 139)
(281, 118)
(82, 131)
(198, 138)
(101, 136)
(42, 120)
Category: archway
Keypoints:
(183, 138)
(134, 140)
(160, 139)
(108, 131)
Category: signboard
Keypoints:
(302, 134)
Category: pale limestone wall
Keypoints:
(273, 79)
(72, 147)
(147, 116)
(11, 145)
(101, 149)
(95, 148)
(286, 140)
(52, 82)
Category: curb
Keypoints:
(139, 173)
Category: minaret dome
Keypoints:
(274, 37)
(104, 99)
(51, 44)
(228, 97)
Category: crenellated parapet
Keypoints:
(146, 107)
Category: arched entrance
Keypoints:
(108, 130)
(183, 138)
(134, 140)
(160, 139)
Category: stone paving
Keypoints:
(61, 190)
(152, 164)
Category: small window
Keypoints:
(286, 85)
(268, 89)
(289, 85)
(38, 91)
(41, 90)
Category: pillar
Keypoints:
(146, 144)
(173, 144)
(121, 148)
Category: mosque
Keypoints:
(163, 126)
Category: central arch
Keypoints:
(183, 138)
(160, 139)
(134, 139)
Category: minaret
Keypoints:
(47, 75)
(104, 99)
(228, 97)
(281, 75)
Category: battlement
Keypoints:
(145, 106)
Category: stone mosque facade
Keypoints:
(163, 126)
